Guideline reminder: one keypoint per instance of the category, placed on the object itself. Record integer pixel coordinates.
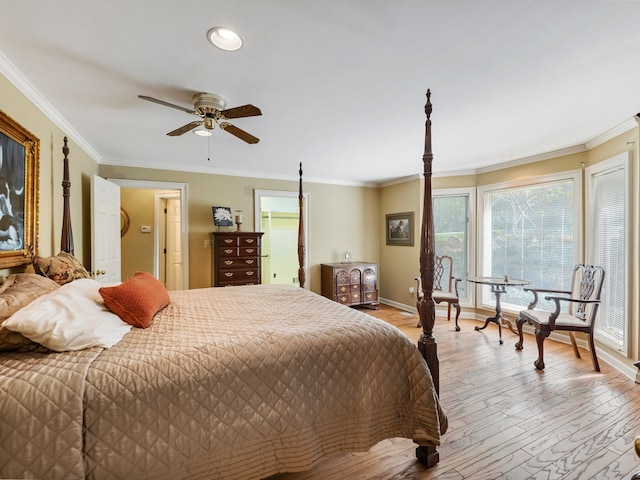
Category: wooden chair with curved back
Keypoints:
(583, 301)
(445, 286)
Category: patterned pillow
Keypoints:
(63, 268)
(18, 291)
(137, 299)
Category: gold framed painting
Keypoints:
(19, 164)
(399, 228)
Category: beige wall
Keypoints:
(137, 247)
(340, 217)
(82, 168)
(399, 265)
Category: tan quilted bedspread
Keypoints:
(239, 382)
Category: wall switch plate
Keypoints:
(207, 243)
(145, 229)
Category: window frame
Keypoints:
(622, 160)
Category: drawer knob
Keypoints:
(250, 250)
(250, 273)
(228, 274)
(228, 262)
(228, 240)
(249, 262)
(228, 250)
(249, 240)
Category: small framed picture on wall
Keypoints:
(400, 228)
(222, 216)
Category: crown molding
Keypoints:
(9, 70)
(614, 132)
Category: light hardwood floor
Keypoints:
(506, 419)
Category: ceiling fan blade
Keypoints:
(241, 134)
(166, 104)
(240, 112)
(185, 128)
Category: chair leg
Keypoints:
(519, 322)
(594, 358)
(448, 312)
(540, 336)
(572, 336)
(457, 307)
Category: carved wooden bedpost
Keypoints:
(427, 345)
(301, 246)
(426, 307)
(66, 243)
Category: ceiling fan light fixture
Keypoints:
(202, 132)
(224, 38)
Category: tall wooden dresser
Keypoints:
(236, 258)
(351, 283)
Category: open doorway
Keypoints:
(277, 215)
(156, 239)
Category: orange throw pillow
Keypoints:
(137, 299)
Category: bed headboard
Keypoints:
(426, 307)
(66, 243)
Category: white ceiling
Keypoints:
(341, 84)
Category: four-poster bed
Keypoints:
(237, 382)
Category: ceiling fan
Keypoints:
(211, 110)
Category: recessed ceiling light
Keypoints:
(224, 38)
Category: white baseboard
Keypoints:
(440, 311)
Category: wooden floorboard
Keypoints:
(506, 419)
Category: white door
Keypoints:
(105, 230)
(173, 257)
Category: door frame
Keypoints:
(184, 216)
(258, 194)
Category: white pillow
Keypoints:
(73, 317)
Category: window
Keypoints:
(451, 220)
(530, 232)
(607, 221)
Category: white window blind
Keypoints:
(529, 233)
(606, 240)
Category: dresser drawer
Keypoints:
(227, 241)
(249, 241)
(238, 262)
(344, 299)
(369, 287)
(248, 251)
(370, 297)
(228, 251)
(238, 274)
(342, 277)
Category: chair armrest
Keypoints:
(456, 281)
(535, 292)
(557, 300)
